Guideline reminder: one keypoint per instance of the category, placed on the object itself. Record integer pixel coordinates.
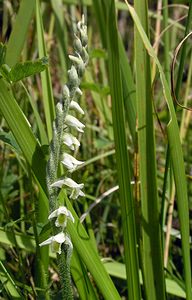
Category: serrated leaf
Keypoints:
(28, 68)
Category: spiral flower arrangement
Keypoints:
(62, 147)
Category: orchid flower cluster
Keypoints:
(64, 143)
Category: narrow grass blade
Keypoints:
(129, 92)
(48, 100)
(127, 78)
(61, 36)
(19, 32)
(176, 158)
(151, 235)
(123, 164)
(41, 129)
(8, 283)
(117, 269)
(81, 279)
(86, 251)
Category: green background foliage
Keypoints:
(134, 242)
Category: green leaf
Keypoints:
(117, 270)
(28, 68)
(123, 163)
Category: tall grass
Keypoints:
(135, 166)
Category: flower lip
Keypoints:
(62, 214)
(74, 122)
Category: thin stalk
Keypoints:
(185, 249)
(167, 75)
(157, 33)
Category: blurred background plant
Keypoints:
(121, 90)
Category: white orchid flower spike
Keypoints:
(61, 214)
(76, 187)
(55, 241)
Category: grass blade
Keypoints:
(176, 158)
(18, 34)
(151, 244)
(48, 100)
(123, 164)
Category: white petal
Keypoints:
(74, 105)
(78, 60)
(47, 242)
(74, 122)
(68, 242)
(66, 92)
(68, 182)
(58, 183)
(61, 210)
(72, 184)
(67, 162)
(70, 141)
(70, 216)
(81, 194)
(79, 91)
(70, 162)
(60, 238)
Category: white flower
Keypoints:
(70, 141)
(74, 122)
(70, 162)
(61, 213)
(74, 105)
(76, 187)
(55, 241)
(77, 60)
